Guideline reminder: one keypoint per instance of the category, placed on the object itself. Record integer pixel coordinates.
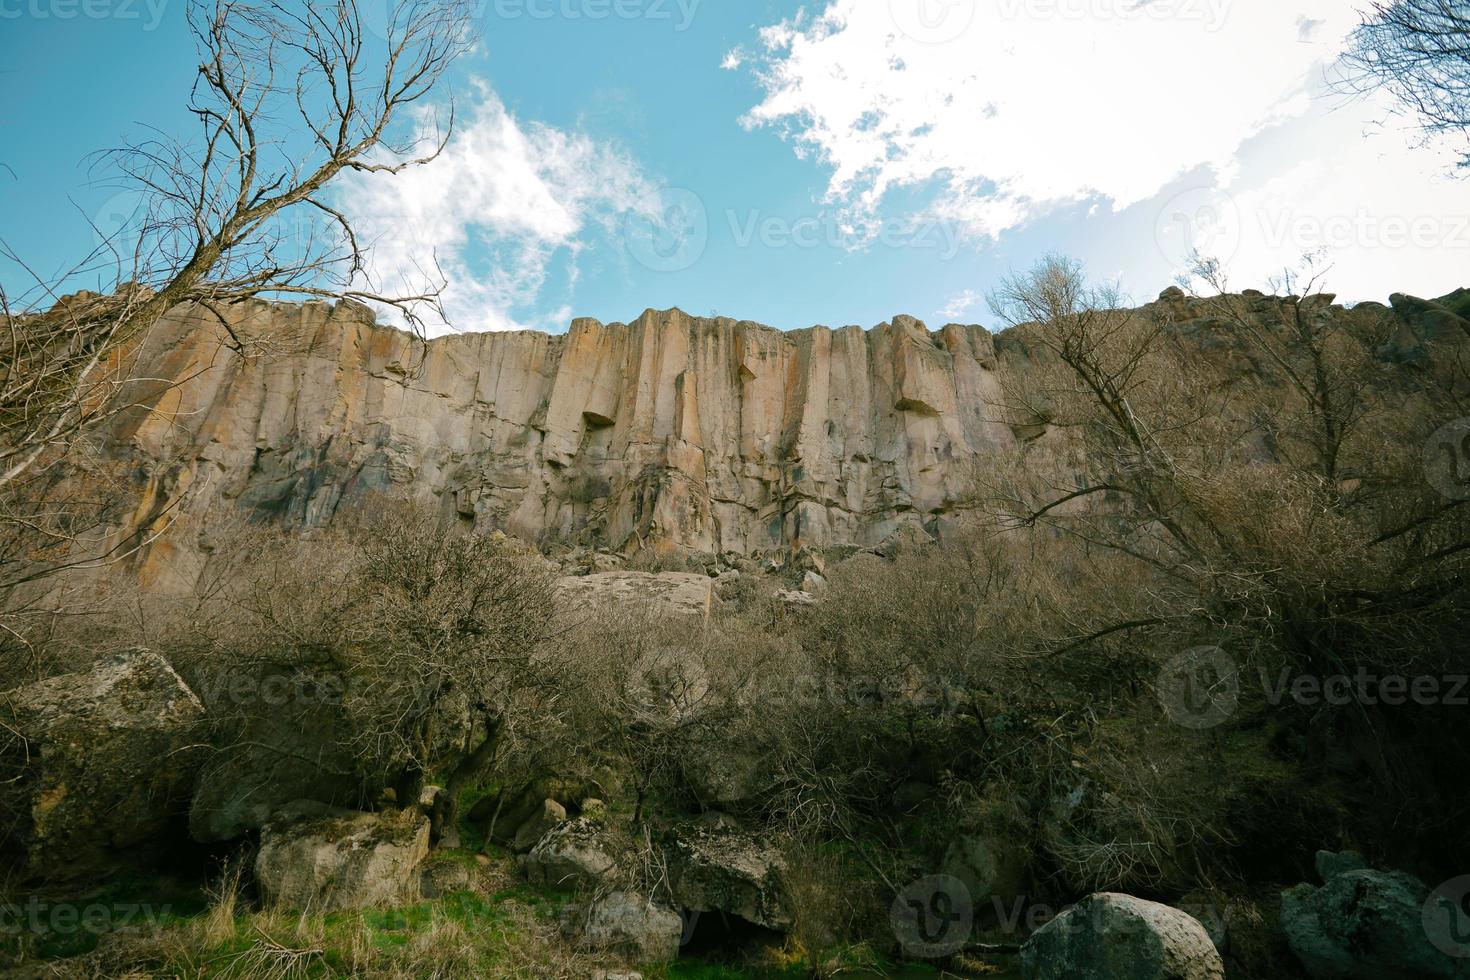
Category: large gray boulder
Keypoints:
(579, 853)
(629, 923)
(1108, 936)
(732, 872)
(1363, 924)
(320, 861)
(96, 763)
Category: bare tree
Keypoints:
(287, 97)
(1419, 50)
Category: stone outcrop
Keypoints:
(714, 435)
(730, 872)
(674, 593)
(96, 764)
(1363, 923)
(575, 854)
(629, 923)
(317, 859)
(1109, 936)
(710, 435)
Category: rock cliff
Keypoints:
(672, 430)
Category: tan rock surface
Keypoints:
(672, 431)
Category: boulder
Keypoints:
(795, 599)
(1363, 924)
(552, 815)
(812, 583)
(96, 763)
(631, 924)
(908, 536)
(730, 872)
(578, 853)
(445, 874)
(1108, 936)
(1428, 318)
(315, 858)
(677, 593)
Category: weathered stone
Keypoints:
(730, 872)
(341, 860)
(1428, 318)
(679, 593)
(794, 599)
(1108, 936)
(631, 924)
(273, 750)
(444, 876)
(724, 773)
(578, 853)
(95, 763)
(1364, 924)
(707, 434)
(552, 815)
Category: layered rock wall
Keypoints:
(708, 434)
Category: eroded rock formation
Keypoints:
(673, 431)
(708, 434)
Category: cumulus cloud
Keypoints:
(504, 203)
(1008, 109)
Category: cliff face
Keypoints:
(669, 432)
(709, 434)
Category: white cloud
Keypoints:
(1011, 108)
(1387, 214)
(734, 58)
(960, 304)
(500, 205)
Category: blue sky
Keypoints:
(836, 162)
